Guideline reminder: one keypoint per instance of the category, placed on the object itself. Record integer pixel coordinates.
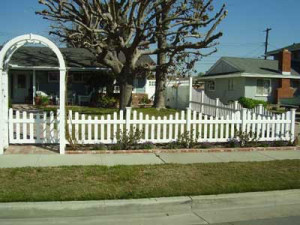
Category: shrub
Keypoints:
(250, 103)
(128, 140)
(243, 139)
(187, 139)
(106, 101)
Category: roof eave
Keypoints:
(250, 75)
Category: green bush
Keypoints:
(106, 101)
(250, 103)
(128, 139)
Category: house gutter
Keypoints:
(57, 68)
(253, 75)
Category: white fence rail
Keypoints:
(200, 102)
(87, 129)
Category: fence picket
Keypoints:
(76, 126)
(114, 127)
(96, 132)
(24, 125)
(176, 126)
(152, 129)
(170, 137)
(205, 138)
(158, 137)
(108, 134)
(52, 121)
(83, 128)
(44, 122)
(31, 128)
(102, 129)
(164, 134)
(147, 128)
(18, 134)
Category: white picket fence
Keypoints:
(33, 128)
(87, 129)
(200, 102)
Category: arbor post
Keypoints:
(62, 107)
(1, 111)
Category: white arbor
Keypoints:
(5, 55)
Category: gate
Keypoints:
(33, 127)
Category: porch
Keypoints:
(30, 86)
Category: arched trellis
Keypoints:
(5, 55)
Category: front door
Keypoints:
(20, 87)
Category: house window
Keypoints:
(152, 83)
(230, 85)
(263, 87)
(53, 77)
(211, 85)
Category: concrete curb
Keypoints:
(157, 151)
(210, 208)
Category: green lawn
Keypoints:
(107, 111)
(125, 182)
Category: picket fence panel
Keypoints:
(201, 127)
(200, 102)
(42, 128)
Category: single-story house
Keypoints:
(34, 70)
(270, 80)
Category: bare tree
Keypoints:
(195, 16)
(110, 28)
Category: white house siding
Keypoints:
(223, 92)
(150, 88)
(251, 89)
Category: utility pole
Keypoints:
(267, 41)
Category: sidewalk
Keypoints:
(208, 209)
(46, 160)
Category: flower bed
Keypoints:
(247, 149)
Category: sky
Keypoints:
(243, 28)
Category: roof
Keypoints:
(74, 57)
(248, 65)
(291, 48)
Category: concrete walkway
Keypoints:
(46, 160)
(211, 209)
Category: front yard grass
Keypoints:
(145, 181)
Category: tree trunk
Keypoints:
(126, 87)
(160, 87)
(161, 71)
